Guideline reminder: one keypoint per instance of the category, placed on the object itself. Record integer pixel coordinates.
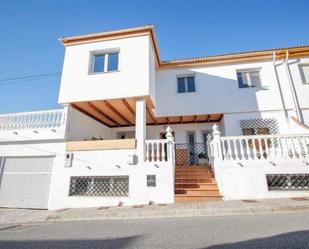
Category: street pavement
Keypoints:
(285, 230)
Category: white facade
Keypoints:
(280, 104)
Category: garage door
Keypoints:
(25, 182)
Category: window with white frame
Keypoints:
(102, 62)
(185, 84)
(248, 78)
(304, 72)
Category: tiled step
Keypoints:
(196, 166)
(192, 181)
(197, 192)
(191, 168)
(191, 176)
(185, 198)
(198, 171)
(195, 183)
(199, 186)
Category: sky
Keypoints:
(184, 28)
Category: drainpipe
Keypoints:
(292, 87)
(284, 110)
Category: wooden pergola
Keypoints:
(121, 113)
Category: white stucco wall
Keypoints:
(110, 163)
(98, 163)
(217, 91)
(248, 179)
(132, 78)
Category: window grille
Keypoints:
(288, 182)
(99, 186)
(125, 134)
(259, 126)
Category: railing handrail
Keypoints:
(264, 136)
(155, 140)
(32, 112)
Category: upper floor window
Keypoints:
(304, 72)
(185, 84)
(104, 62)
(248, 78)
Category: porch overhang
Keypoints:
(121, 113)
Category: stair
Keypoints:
(195, 183)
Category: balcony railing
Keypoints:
(260, 147)
(33, 120)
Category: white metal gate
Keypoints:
(25, 181)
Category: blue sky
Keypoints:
(30, 31)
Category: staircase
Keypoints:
(195, 183)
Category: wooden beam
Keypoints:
(112, 108)
(96, 109)
(90, 115)
(125, 102)
(151, 114)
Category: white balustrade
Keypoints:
(261, 147)
(156, 150)
(33, 120)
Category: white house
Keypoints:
(135, 129)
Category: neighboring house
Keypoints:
(136, 129)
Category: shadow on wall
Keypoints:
(299, 240)
(124, 242)
(214, 94)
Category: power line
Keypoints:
(26, 79)
(29, 76)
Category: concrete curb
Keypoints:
(184, 213)
(225, 208)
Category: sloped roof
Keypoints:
(266, 54)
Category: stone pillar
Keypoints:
(140, 128)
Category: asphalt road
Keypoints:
(229, 232)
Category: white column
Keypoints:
(140, 128)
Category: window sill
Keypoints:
(187, 92)
(99, 73)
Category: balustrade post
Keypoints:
(170, 144)
(217, 153)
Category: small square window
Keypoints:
(185, 84)
(104, 62)
(151, 181)
(304, 72)
(248, 78)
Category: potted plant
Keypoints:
(202, 158)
